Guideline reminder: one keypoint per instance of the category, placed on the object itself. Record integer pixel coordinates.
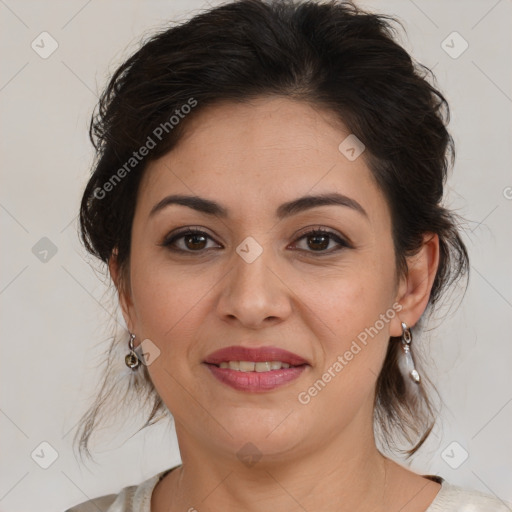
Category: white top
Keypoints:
(450, 498)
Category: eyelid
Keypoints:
(181, 232)
(342, 241)
(321, 228)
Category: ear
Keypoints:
(123, 291)
(414, 288)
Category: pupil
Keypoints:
(323, 245)
(194, 242)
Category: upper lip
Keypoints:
(239, 353)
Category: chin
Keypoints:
(265, 435)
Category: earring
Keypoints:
(131, 360)
(406, 362)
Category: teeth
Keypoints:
(262, 366)
(246, 366)
(251, 366)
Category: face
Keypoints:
(258, 275)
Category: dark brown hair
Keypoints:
(332, 55)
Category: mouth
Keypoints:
(255, 381)
(241, 358)
(255, 369)
(255, 366)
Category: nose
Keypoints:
(254, 295)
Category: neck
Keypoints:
(338, 475)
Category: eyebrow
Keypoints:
(293, 207)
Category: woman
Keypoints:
(267, 196)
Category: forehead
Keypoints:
(258, 153)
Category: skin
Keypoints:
(251, 158)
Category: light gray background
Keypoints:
(53, 322)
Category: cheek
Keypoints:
(171, 304)
(161, 297)
(352, 316)
(353, 350)
(350, 301)
(170, 301)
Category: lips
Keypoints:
(239, 353)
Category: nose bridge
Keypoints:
(251, 262)
(253, 293)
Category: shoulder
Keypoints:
(121, 502)
(452, 498)
(133, 498)
(102, 503)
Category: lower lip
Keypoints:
(256, 381)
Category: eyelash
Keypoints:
(343, 244)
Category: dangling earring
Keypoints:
(406, 362)
(131, 359)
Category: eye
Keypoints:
(319, 239)
(194, 240)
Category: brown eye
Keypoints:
(318, 240)
(191, 240)
(195, 241)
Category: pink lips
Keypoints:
(255, 381)
(239, 353)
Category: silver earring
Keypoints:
(407, 362)
(131, 360)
